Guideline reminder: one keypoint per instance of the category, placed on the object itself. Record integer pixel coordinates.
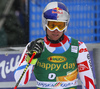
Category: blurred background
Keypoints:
(21, 22)
(14, 20)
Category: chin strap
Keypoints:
(57, 41)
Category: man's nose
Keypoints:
(56, 30)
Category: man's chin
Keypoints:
(55, 39)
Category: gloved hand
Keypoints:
(35, 46)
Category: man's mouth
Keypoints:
(55, 35)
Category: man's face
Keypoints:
(55, 29)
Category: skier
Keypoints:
(59, 58)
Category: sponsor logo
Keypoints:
(74, 49)
(88, 57)
(8, 66)
(55, 66)
(57, 10)
(57, 59)
(57, 84)
(83, 66)
(83, 50)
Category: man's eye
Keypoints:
(60, 26)
(52, 25)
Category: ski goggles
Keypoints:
(53, 25)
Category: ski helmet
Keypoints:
(55, 11)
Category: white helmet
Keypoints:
(55, 11)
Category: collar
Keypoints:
(56, 44)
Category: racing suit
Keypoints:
(59, 65)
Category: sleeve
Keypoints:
(85, 67)
(21, 66)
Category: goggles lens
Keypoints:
(52, 25)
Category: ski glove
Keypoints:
(35, 46)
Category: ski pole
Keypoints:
(34, 53)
